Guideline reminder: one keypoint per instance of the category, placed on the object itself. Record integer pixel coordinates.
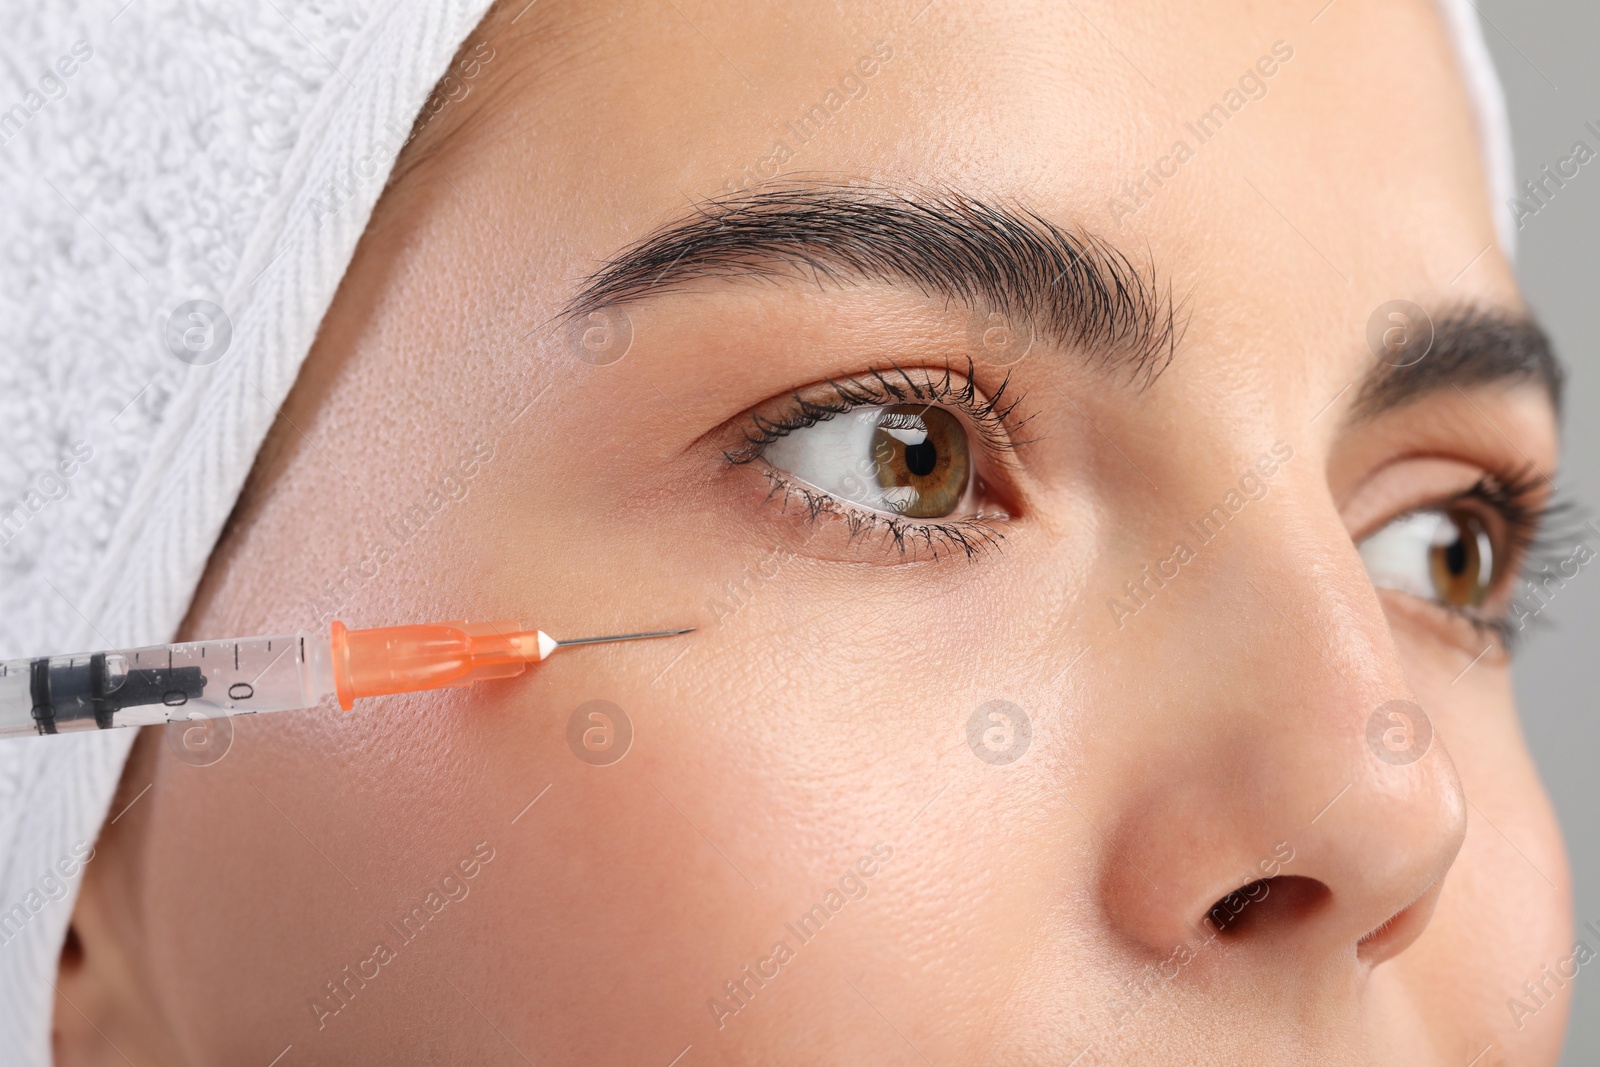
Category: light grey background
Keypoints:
(1545, 51)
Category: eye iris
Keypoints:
(921, 459)
(1461, 560)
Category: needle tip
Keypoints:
(623, 637)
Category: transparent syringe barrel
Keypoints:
(164, 683)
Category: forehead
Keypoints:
(1064, 103)
(1331, 163)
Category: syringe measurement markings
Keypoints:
(263, 670)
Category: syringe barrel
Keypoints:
(164, 683)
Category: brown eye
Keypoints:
(1461, 559)
(921, 461)
(1445, 555)
(910, 460)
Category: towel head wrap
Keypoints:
(162, 152)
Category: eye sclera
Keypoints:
(909, 460)
(1502, 514)
(898, 404)
(1461, 567)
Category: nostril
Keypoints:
(1266, 904)
(1231, 913)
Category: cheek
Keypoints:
(312, 837)
(754, 780)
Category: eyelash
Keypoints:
(1513, 495)
(992, 417)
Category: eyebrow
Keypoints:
(1069, 286)
(1472, 345)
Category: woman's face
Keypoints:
(1094, 573)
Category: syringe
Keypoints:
(279, 672)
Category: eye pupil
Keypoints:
(921, 459)
(1462, 559)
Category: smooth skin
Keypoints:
(1014, 913)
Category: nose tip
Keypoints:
(1339, 852)
(1384, 851)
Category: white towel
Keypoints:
(154, 152)
(1489, 101)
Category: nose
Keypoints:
(1283, 785)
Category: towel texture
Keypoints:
(154, 153)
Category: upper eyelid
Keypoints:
(1523, 522)
(992, 415)
(1523, 486)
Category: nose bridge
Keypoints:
(1282, 742)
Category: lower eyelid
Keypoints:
(1466, 630)
(911, 540)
